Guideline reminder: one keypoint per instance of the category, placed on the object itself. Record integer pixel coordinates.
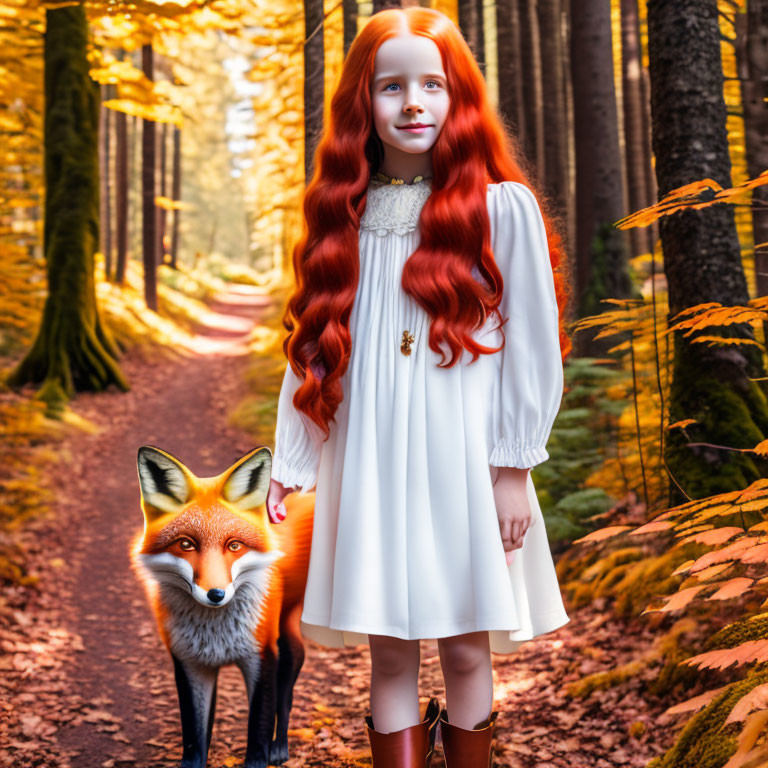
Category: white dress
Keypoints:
(406, 539)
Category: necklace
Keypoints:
(382, 177)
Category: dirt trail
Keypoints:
(87, 680)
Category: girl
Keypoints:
(421, 232)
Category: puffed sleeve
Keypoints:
(531, 377)
(298, 440)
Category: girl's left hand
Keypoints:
(512, 507)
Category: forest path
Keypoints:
(89, 683)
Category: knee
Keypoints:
(464, 654)
(393, 656)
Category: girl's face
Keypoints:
(409, 87)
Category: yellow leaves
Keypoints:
(697, 702)
(731, 588)
(603, 533)
(695, 196)
(652, 527)
(712, 536)
(678, 600)
(752, 650)
(761, 449)
(745, 755)
(712, 314)
(757, 698)
(172, 205)
(682, 424)
(159, 113)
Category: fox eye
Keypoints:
(186, 545)
(234, 546)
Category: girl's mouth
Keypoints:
(418, 128)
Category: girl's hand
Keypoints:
(512, 507)
(275, 507)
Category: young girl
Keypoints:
(421, 235)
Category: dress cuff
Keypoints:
(505, 454)
(302, 477)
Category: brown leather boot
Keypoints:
(410, 747)
(467, 748)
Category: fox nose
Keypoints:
(215, 595)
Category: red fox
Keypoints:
(226, 587)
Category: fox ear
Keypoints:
(164, 481)
(248, 482)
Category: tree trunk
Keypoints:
(176, 194)
(314, 73)
(105, 207)
(161, 212)
(636, 160)
(380, 5)
(701, 257)
(533, 104)
(601, 251)
(148, 195)
(471, 25)
(510, 65)
(752, 58)
(121, 195)
(73, 351)
(556, 127)
(349, 11)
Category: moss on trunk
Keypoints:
(73, 350)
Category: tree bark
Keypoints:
(752, 61)
(555, 126)
(601, 250)
(73, 350)
(471, 25)
(636, 159)
(349, 11)
(533, 103)
(161, 212)
(176, 194)
(148, 195)
(510, 65)
(702, 259)
(121, 195)
(314, 90)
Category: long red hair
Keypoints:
(472, 150)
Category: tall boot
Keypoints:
(465, 748)
(410, 747)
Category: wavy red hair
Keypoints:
(472, 150)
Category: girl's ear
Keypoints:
(166, 484)
(247, 483)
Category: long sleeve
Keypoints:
(298, 440)
(531, 377)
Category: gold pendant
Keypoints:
(405, 344)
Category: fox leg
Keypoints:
(260, 674)
(290, 661)
(196, 686)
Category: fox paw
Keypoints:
(278, 752)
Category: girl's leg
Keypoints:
(468, 675)
(394, 682)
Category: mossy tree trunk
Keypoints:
(702, 260)
(72, 350)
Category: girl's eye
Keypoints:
(386, 87)
(186, 545)
(234, 546)
(432, 81)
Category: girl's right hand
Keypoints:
(275, 507)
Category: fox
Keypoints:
(226, 588)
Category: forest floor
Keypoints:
(86, 682)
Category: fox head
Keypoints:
(205, 535)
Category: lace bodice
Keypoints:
(394, 207)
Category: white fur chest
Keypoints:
(213, 636)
